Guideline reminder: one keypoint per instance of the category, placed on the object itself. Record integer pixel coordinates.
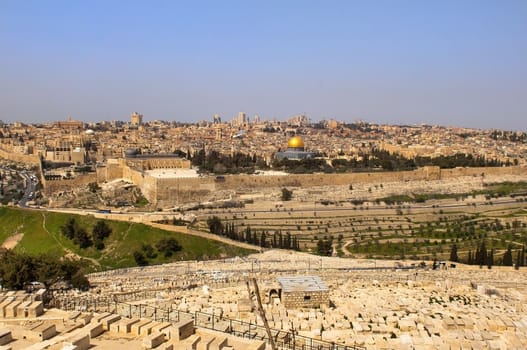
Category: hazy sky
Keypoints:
(401, 62)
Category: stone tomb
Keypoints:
(303, 292)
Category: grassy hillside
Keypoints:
(42, 234)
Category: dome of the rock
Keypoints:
(295, 142)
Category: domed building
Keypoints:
(295, 150)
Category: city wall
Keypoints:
(19, 158)
(113, 170)
(51, 186)
(175, 191)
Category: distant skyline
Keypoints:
(444, 62)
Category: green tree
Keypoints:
(168, 246)
(215, 225)
(148, 250)
(77, 234)
(481, 254)
(286, 194)
(140, 259)
(17, 269)
(93, 187)
(82, 239)
(453, 253)
(100, 231)
(325, 247)
(490, 259)
(507, 257)
(263, 240)
(69, 228)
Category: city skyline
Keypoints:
(441, 63)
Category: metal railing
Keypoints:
(289, 339)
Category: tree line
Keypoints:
(486, 257)
(215, 162)
(18, 269)
(165, 246)
(79, 235)
(262, 238)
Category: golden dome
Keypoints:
(295, 142)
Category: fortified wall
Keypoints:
(165, 192)
(20, 158)
(51, 186)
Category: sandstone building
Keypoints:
(303, 292)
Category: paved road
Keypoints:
(29, 190)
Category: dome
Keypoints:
(295, 142)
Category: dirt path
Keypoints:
(69, 253)
(185, 230)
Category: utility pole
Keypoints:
(261, 311)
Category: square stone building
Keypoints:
(303, 292)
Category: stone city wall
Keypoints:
(183, 190)
(494, 171)
(20, 158)
(175, 191)
(112, 171)
(251, 182)
(51, 186)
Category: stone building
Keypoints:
(136, 119)
(157, 161)
(303, 292)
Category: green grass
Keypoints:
(42, 234)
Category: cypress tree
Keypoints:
(507, 257)
(263, 240)
(490, 259)
(482, 259)
(453, 253)
(248, 234)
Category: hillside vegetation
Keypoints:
(417, 226)
(40, 232)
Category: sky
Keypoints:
(439, 62)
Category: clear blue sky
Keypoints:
(440, 62)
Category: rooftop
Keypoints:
(302, 283)
(172, 173)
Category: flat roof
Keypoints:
(172, 173)
(302, 284)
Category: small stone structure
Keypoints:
(303, 292)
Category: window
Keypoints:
(307, 297)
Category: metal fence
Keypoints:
(289, 340)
